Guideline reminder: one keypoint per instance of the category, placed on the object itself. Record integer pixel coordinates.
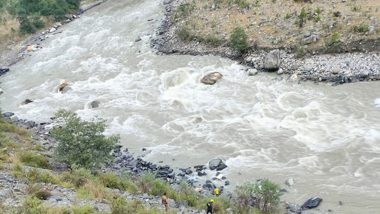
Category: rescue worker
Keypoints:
(165, 202)
(210, 207)
(216, 191)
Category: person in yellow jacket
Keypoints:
(216, 191)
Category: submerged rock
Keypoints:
(27, 101)
(289, 182)
(95, 104)
(62, 85)
(3, 71)
(312, 203)
(211, 78)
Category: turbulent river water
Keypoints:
(326, 138)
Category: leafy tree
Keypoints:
(263, 195)
(267, 194)
(239, 40)
(82, 143)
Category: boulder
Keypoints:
(3, 71)
(62, 85)
(289, 182)
(216, 164)
(272, 61)
(211, 78)
(8, 114)
(312, 203)
(294, 208)
(252, 72)
(27, 101)
(94, 104)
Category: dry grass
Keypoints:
(273, 23)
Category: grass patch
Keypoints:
(33, 160)
(34, 175)
(113, 181)
(362, 28)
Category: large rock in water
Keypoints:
(94, 104)
(217, 164)
(211, 78)
(312, 203)
(3, 71)
(272, 61)
(62, 85)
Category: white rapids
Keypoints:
(326, 138)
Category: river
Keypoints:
(326, 138)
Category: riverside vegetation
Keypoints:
(81, 152)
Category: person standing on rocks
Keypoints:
(165, 202)
(210, 207)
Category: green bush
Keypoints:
(30, 12)
(145, 182)
(184, 34)
(302, 17)
(300, 51)
(334, 39)
(239, 40)
(33, 205)
(83, 143)
(267, 195)
(38, 176)
(77, 177)
(263, 195)
(119, 206)
(113, 181)
(362, 28)
(34, 160)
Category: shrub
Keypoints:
(267, 195)
(34, 160)
(302, 17)
(145, 182)
(244, 198)
(37, 176)
(184, 10)
(264, 195)
(91, 190)
(119, 206)
(213, 40)
(33, 205)
(38, 191)
(184, 33)
(300, 51)
(77, 177)
(113, 181)
(334, 39)
(86, 209)
(83, 143)
(239, 40)
(362, 28)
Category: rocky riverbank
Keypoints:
(202, 178)
(17, 52)
(335, 68)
